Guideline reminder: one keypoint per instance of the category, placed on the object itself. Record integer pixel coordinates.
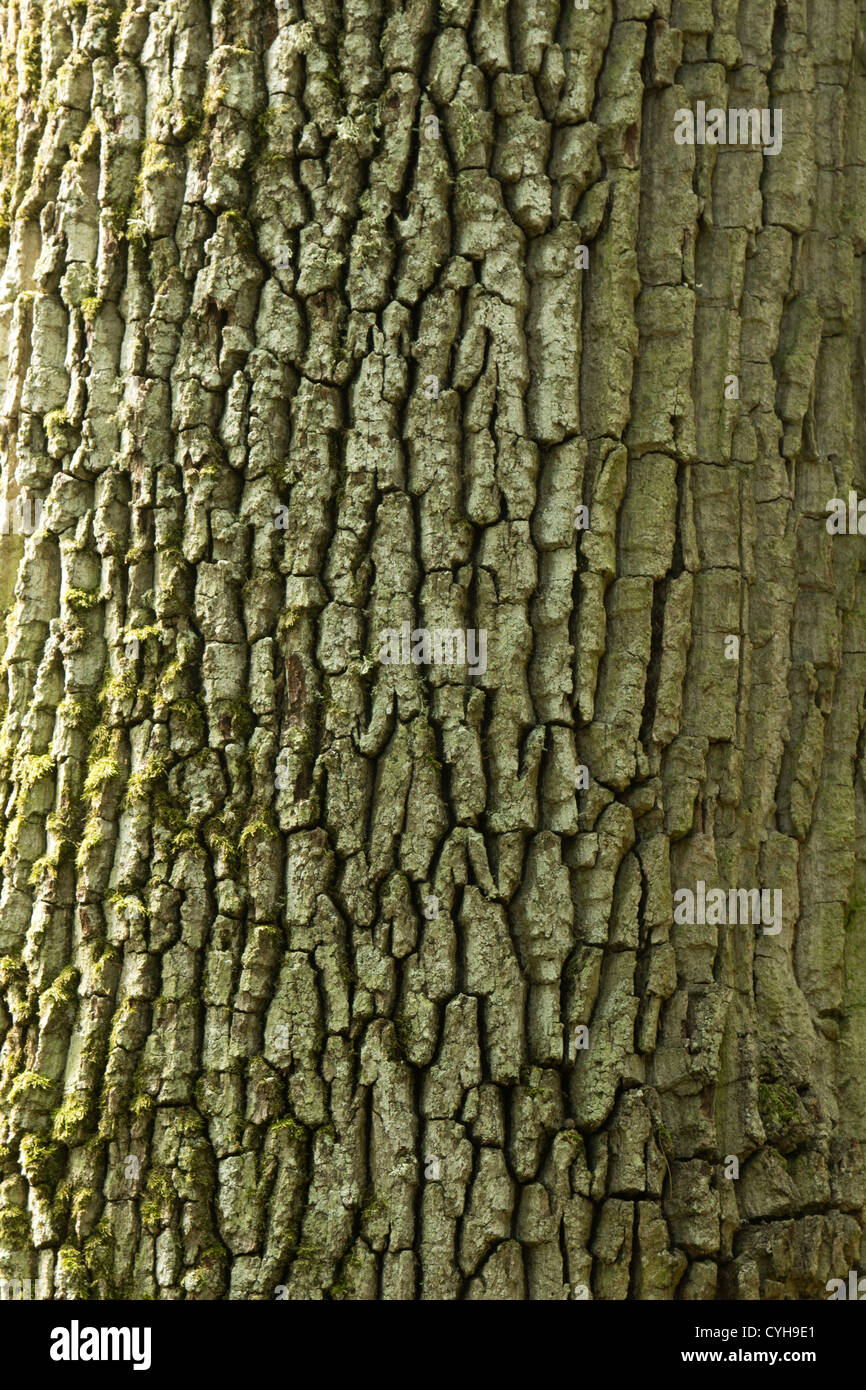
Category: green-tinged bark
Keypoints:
(327, 977)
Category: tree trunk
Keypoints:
(433, 590)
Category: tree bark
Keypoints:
(331, 976)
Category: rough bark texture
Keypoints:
(297, 945)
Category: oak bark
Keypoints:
(324, 977)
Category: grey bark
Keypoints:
(324, 977)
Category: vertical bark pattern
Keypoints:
(299, 343)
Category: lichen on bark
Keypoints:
(323, 977)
